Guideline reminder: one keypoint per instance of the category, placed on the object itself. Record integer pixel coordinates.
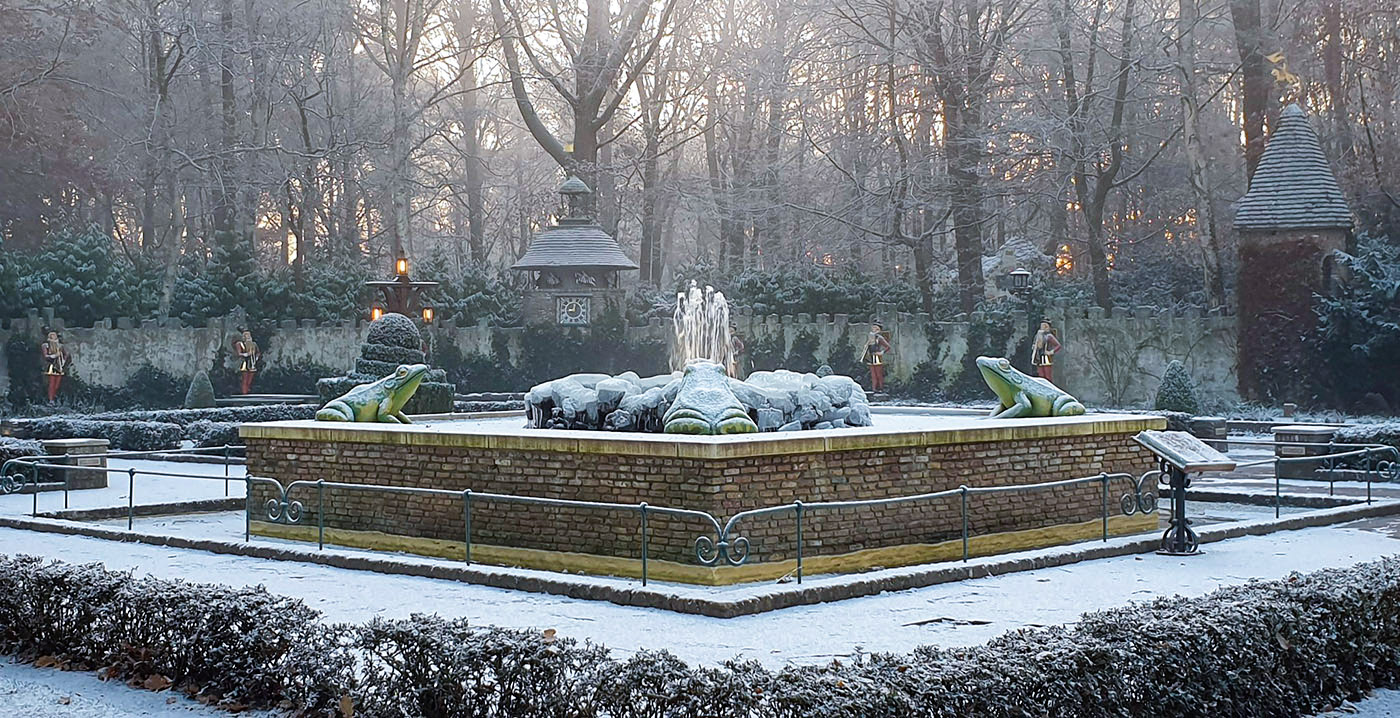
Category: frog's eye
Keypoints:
(403, 371)
(1004, 364)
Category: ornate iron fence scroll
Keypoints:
(733, 548)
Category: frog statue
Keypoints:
(380, 401)
(1023, 396)
(705, 404)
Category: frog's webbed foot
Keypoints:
(1066, 405)
(736, 421)
(687, 425)
(335, 411)
(1022, 407)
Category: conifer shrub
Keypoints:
(1177, 393)
(201, 392)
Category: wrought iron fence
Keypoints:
(23, 471)
(1379, 461)
(727, 544)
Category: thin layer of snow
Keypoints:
(50, 693)
(893, 421)
(963, 613)
(1382, 703)
(149, 488)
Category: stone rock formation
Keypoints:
(772, 401)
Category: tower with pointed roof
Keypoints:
(1291, 222)
(573, 266)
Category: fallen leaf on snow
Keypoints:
(156, 682)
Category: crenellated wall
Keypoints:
(1109, 358)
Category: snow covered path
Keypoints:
(1383, 703)
(963, 613)
(29, 692)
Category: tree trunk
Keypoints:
(1249, 41)
(1198, 173)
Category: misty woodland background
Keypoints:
(183, 158)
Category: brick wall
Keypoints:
(719, 486)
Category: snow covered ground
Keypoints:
(29, 692)
(963, 613)
(148, 489)
(1383, 703)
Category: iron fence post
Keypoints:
(34, 488)
(247, 509)
(225, 470)
(963, 496)
(798, 506)
(467, 523)
(130, 496)
(643, 507)
(1331, 469)
(1103, 482)
(1277, 463)
(320, 514)
(1370, 464)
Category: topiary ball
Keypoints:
(1177, 393)
(395, 330)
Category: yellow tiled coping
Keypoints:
(693, 573)
(959, 429)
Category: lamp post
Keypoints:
(1020, 282)
(402, 295)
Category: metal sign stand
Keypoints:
(1179, 455)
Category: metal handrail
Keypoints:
(734, 549)
(1388, 469)
(12, 480)
(725, 542)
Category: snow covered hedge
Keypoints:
(164, 429)
(121, 435)
(1387, 433)
(1289, 647)
(261, 412)
(11, 448)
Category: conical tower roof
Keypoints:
(575, 242)
(1294, 187)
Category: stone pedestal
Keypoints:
(1307, 440)
(1213, 430)
(87, 457)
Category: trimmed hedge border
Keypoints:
(154, 430)
(1293, 646)
(121, 435)
(12, 448)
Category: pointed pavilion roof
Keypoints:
(575, 242)
(1293, 187)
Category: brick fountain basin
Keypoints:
(906, 452)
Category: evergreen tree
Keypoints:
(1177, 393)
(80, 276)
(201, 392)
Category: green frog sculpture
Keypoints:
(377, 401)
(706, 405)
(1024, 396)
